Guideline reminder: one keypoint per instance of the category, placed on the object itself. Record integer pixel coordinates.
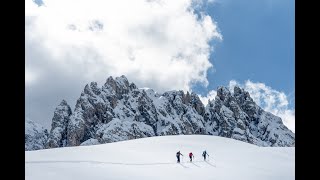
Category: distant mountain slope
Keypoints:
(35, 136)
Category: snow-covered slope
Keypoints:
(35, 135)
(120, 111)
(154, 158)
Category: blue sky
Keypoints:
(258, 44)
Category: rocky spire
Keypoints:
(58, 133)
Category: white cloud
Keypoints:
(270, 100)
(161, 44)
(29, 76)
(211, 1)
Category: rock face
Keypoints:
(237, 116)
(35, 136)
(58, 133)
(120, 111)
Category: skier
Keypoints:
(190, 156)
(204, 154)
(178, 156)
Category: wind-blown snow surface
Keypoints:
(154, 158)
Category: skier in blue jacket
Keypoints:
(204, 154)
(178, 156)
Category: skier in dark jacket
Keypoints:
(178, 156)
(204, 154)
(190, 156)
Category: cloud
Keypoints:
(270, 100)
(155, 43)
(29, 76)
(161, 44)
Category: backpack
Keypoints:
(204, 153)
(190, 154)
(178, 154)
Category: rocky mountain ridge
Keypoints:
(119, 110)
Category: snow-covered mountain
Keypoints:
(58, 133)
(120, 111)
(35, 136)
(154, 158)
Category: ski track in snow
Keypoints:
(117, 163)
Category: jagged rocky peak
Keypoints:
(241, 95)
(119, 85)
(119, 110)
(63, 109)
(94, 88)
(186, 98)
(63, 103)
(223, 93)
(60, 120)
(35, 135)
(180, 101)
(246, 103)
(193, 100)
(197, 103)
(237, 116)
(237, 90)
(122, 80)
(132, 86)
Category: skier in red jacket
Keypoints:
(191, 156)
